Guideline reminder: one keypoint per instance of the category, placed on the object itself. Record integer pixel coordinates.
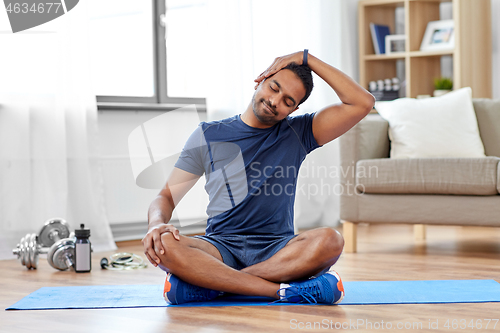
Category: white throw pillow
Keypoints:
(443, 126)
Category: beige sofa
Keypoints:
(419, 191)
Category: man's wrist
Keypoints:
(305, 54)
(155, 223)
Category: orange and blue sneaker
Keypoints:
(177, 291)
(324, 289)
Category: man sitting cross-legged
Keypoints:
(251, 164)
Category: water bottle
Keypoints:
(82, 250)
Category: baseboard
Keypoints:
(137, 230)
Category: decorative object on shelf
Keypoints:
(395, 84)
(395, 43)
(402, 89)
(385, 90)
(442, 86)
(388, 85)
(439, 35)
(379, 32)
(380, 85)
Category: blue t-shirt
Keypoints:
(251, 173)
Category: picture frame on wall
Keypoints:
(439, 35)
(395, 43)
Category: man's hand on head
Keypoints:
(278, 64)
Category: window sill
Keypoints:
(116, 106)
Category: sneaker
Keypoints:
(177, 291)
(326, 289)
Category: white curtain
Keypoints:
(48, 132)
(245, 37)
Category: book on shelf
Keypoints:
(378, 33)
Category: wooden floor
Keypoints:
(384, 253)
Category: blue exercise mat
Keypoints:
(357, 293)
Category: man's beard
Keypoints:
(261, 114)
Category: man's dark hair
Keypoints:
(304, 74)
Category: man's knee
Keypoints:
(332, 241)
(170, 245)
(168, 240)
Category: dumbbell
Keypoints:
(27, 251)
(52, 240)
(53, 230)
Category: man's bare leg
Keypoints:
(305, 255)
(201, 264)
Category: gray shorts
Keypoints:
(240, 251)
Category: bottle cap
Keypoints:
(82, 232)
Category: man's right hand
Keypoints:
(152, 241)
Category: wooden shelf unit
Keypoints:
(472, 54)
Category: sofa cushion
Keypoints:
(373, 137)
(443, 126)
(460, 176)
(488, 120)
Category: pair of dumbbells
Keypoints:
(54, 239)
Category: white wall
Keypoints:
(126, 203)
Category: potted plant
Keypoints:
(442, 86)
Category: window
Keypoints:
(129, 57)
(186, 26)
